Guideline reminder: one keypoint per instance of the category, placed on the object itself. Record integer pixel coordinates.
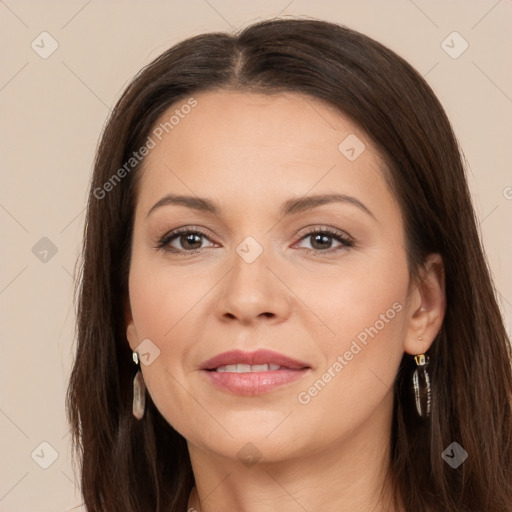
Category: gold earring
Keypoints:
(139, 391)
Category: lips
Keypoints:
(244, 359)
(246, 368)
(252, 373)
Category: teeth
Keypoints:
(246, 368)
(259, 368)
(227, 368)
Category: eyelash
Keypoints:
(163, 243)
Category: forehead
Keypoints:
(251, 146)
(290, 123)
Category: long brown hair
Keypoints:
(133, 466)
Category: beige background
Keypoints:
(53, 111)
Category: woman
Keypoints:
(284, 302)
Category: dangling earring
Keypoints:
(421, 384)
(139, 391)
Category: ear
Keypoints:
(131, 331)
(427, 306)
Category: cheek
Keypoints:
(362, 301)
(356, 295)
(166, 304)
(366, 311)
(162, 298)
(162, 303)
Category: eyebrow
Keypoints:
(289, 207)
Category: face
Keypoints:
(265, 267)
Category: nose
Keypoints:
(253, 292)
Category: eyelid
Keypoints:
(174, 233)
(322, 228)
(342, 237)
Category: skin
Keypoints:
(249, 153)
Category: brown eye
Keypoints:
(190, 241)
(183, 241)
(321, 240)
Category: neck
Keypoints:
(346, 476)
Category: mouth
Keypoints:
(252, 373)
(246, 368)
(257, 361)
